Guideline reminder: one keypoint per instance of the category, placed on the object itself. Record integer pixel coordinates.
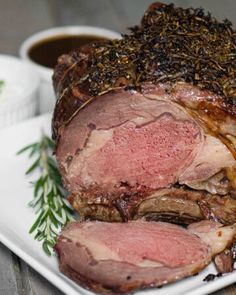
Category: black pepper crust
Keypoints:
(171, 45)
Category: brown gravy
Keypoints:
(48, 50)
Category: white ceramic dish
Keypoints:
(18, 97)
(46, 97)
(16, 218)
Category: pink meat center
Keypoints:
(152, 155)
(167, 244)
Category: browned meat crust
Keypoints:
(202, 54)
(176, 205)
(224, 261)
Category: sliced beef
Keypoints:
(146, 143)
(120, 258)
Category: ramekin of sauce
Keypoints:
(43, 49)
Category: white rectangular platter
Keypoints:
(16, 217)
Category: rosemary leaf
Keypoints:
(30, 146)
(47, 248)
(36, 224)
(33, 166)
(33, 151)
(37, 186)
(58, 217)
(52, 209)
(35, 201)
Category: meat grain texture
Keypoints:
(96, 256)
(145, 128)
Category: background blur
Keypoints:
(21, 18)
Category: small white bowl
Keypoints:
(46, 94)
(18, 98)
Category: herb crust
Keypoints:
(172, 44)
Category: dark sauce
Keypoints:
(47, 51)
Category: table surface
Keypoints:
(21, 18)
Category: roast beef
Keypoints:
(123, 257)
(153, 111)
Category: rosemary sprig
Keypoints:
(52, 209)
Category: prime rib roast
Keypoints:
(145, 125)
(145, 128)
(94, 255)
